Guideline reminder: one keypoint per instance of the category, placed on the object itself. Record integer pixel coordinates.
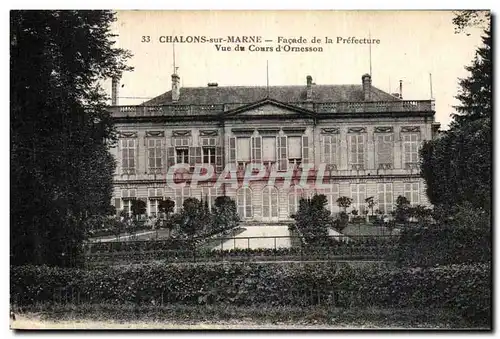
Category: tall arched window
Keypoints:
(244, 202)
(294, 195)
(332, 194)
(270, 203)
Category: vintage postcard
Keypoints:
(250, 169)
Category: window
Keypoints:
(232, 150)
(410, 148)
(181, 141)
(294, 151)
(282, 153)
(180, 194)
(208, 141)
(270, 203)
(357, 150)
(244, 202)
(127, 206)
(384, 144)
(128, 154)
(269, 149)
(358, 195)
(127, 196)
(155, 154)
(412, 192)
(332, 194)
(209, 155)
(294, 196)
(385, 201)
(243, 149)
(155, 196)
(182, 156)
(329, 144)
(294, 148)
(256, 149)
(153, 207)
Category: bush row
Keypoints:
(462, 288)
(188, 244)
(429, 246)
(346, 250)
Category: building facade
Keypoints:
(270, 146)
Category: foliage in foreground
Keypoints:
(464, 289)
(429, 246)
(61, 170)
(457, 164)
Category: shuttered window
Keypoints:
(243, 149)
(269, 149)
(329, 149)
(385, 146)
(257, 149)
(282, 151)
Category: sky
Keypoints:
(413, 45)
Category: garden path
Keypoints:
(259, 231)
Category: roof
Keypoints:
(248, 94)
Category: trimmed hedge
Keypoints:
(460, 288)
(241, 254)
(179, 251)
(430, 246)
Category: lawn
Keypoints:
(161, 233)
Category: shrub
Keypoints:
(463, 289)
(313, 219)
(429, 246)
(342, 221)
(225, 214)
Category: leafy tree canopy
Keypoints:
(457, 165)
(61, 170)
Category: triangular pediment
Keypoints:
(269, 107)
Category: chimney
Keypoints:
(115, 82)
(176, 87)
(367, 86)
(401, 89)
(309, 80)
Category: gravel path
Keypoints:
(34, 322)
(259, 231)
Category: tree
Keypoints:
(166, 206)
(457, 165)
(370, 202)
(61, 170)
(475, 90)
(421, 212)
(401, 213)
(471, 18)
(138, 208)
(192, 216)
(225, 214)
(313, 219)
(344, 202)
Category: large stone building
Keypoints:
(340, 140)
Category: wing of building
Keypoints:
(338, 140)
